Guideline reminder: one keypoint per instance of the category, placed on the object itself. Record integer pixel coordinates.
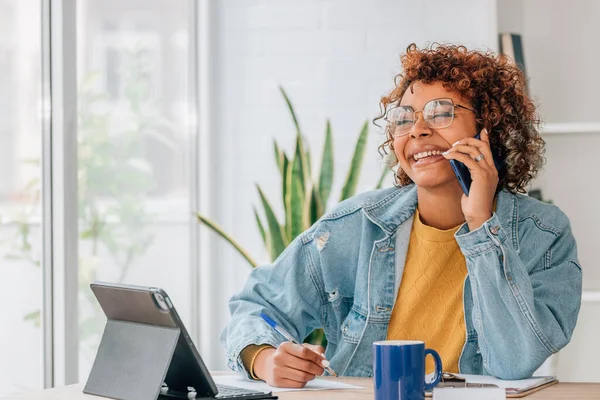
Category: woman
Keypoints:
(490, 280)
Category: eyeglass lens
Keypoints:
(437, 114)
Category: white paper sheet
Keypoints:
(317, 384)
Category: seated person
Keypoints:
(490, 280)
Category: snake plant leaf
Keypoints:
(326, 176)
(382, 177)
(308, 164)
(300, 162)
(261, 228)
(298, 197)
(217, 229)
(306, 209)
(287, 195)
(291, 108)
(316, 206)
(351, 183)
(279, 156)
(277, 237)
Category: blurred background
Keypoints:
(119, 120)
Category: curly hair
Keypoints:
(497, 91)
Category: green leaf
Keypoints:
(326, 176)
(261, 228)
(382, 177)
(298, 195)
(279, 157)
(351, 183)
(87, 234)
(291, 108)
(35, 317)
(317, 337)
(277, 236)
(217, 229)
(308, 164)
(287, 195)
(302, 163)
(316, 206)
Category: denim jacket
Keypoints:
(521, 296)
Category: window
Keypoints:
(20, 204)
(133, 143)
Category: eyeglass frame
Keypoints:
(454, 106)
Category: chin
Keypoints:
(434, 182)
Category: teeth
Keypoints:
(424, 154)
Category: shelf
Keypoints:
(570, 128)
(590, 296)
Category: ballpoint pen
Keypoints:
(289, 337)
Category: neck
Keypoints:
(440, 207)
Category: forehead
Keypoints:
(421, 93)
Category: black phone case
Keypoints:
(464, 175)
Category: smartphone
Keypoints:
(464, 175)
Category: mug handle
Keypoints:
(438, 369)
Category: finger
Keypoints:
(483, 146)
(302, 358)
(465, 159)
(305, 353)
(465, 149)
(295, 375)
(286, 383)
(303, 365)
(316, 348)
(485, 136)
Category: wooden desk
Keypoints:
(570, 391)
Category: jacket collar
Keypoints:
(391, 211)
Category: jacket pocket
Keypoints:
(353, 326)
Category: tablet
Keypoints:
(187, 376)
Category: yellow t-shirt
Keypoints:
(429, 306)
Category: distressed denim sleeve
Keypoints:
(285, 291)
(521, 318)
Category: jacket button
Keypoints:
(494, 230)
(345, 329)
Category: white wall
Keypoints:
(564, 81)
(563, 69)
(559, 39)
(335, 59)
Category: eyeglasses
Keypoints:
(437, 113)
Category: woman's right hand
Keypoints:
(290, 365)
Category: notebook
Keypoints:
(513, 388)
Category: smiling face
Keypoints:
(418, 152)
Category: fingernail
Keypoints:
(484, 131)
(456, 143)
(325, 363)
(323, 354)
(446, 152)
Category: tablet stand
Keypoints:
(132, 361)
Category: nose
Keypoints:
(420, 128)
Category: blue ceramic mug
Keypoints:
(399, 369)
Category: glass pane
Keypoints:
(20, 205)
(134, 211)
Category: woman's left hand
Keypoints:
(477, 207)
